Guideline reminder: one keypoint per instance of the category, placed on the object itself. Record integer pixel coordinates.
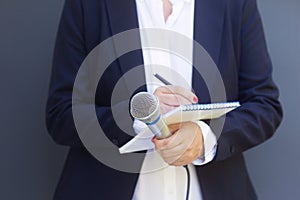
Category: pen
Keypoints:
(164, 81)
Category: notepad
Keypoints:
(181, 114)
(199, 112)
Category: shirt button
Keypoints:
(232, 149)
(171, 192)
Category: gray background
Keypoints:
(31, 162)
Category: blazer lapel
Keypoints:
(208, 29)
(123, 17)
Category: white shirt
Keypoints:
(159, 180)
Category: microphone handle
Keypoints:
(160, 129)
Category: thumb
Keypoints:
(174, 127)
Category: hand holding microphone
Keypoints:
(178, 144)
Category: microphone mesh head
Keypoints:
(142, 105)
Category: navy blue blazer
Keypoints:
(231, 32)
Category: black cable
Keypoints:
(188, 182)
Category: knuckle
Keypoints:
(166, 143)
(189, 148)
(191, 155)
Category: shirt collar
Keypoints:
(172, 1)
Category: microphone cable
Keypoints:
(188, 181)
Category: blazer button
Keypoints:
(115, 141)
(232, 149)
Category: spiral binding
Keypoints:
(211, 106)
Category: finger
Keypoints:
(180, 163)
(173, 99)
(159, 144)
(186, 158)
(176, 157)
(190, 154)
(171, 161)
(172, 154)
(173, 141)
(177, 138)
(183, 135)
(185, 93)
(184, 148)
(167, 143)
(174, 127)
(179, 155)
(166, 108)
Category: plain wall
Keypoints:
(275, 165)
(32, 162)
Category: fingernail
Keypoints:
(153, 138)
(195, 99)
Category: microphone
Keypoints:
(144, 106)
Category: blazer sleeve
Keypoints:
(260, 112)
(69, 53)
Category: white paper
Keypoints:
(139, 143)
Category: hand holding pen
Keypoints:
(171, 96)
